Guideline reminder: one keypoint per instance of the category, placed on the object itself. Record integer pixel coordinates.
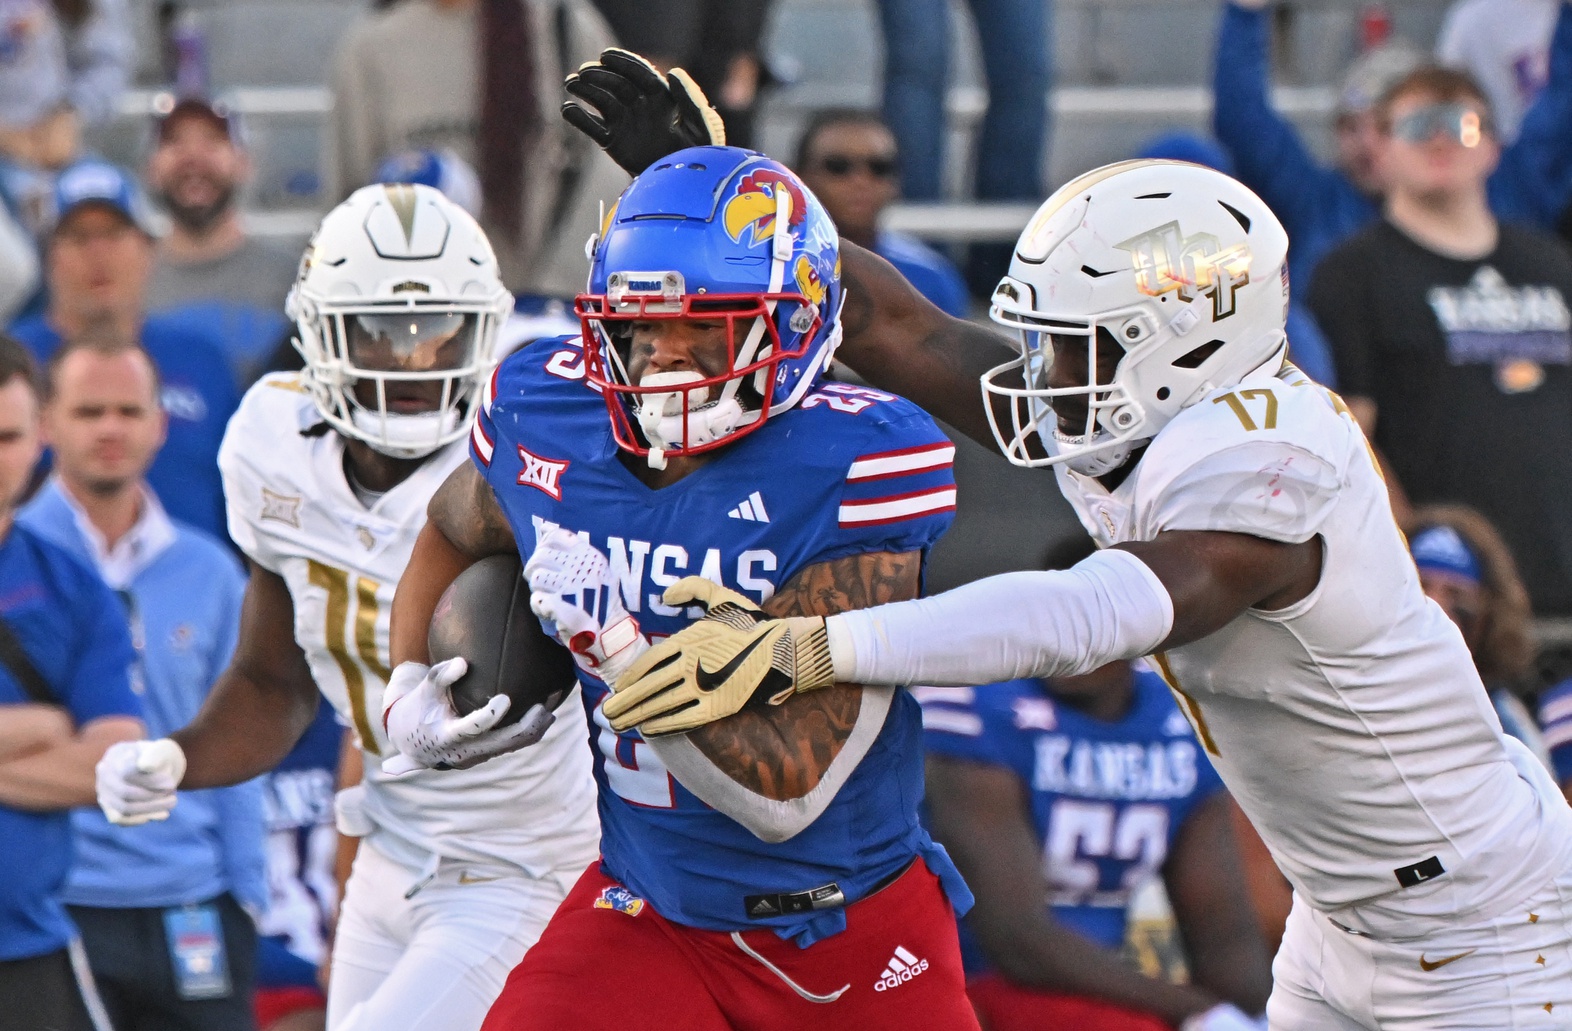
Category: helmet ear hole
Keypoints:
(1163, 393)
(1192, 359)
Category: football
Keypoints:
(484, 616)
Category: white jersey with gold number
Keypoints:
(292, 511)
(1351, 726)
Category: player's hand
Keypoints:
(1223, 1017)
(734, 657)
(642, 116)
(570, 582)
(418, 714)
(137, 780)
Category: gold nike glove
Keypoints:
(734, 657)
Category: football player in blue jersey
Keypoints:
(762, 867)
(1079, 790)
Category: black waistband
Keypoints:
(825, 896)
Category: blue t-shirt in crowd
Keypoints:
(184, 598)
(1319, 205)
(1107, 798)
(74, 631)
(925, 268)
(199, 394)
(249, 335)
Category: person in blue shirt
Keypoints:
(1079, 790)
(99, 256)
(1322, 206)
(850, 162)
(73, 633)
(133, 887)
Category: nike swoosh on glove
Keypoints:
(734, 657)
(570, 580)
(136, 780)
(418, 715)
(642, 115)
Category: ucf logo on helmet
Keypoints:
(1166, 260)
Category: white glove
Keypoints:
(1225, 1016)
(422, 724)
(137, 780)
(570, 581)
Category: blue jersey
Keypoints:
(1107, 799)
(848, 471)
(1555, 716)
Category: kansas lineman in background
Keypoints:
(327, 475)
(1250, 549)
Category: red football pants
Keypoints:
(1002, 1006)
(598, 969)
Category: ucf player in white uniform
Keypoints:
(1250, 549)
(327, 475)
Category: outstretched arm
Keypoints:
(981, 815)
(898, 340)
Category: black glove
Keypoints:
(643, 117)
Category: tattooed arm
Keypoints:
(782, 752)
(464, 524)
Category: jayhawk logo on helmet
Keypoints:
(809, 282)
(752, 207)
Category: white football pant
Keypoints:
(437, 961)
(1509, 973)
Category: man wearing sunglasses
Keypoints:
(849, 160)
(1450, 331)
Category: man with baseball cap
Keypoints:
(98, 256)
(207, 270)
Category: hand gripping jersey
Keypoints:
(1108, 798)
(292, 511)
(1351, 726)
(849, 471)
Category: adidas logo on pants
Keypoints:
(903, 966)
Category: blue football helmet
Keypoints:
(711, 234)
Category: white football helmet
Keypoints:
(1179, 266)
(396, 307)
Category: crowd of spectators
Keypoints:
(1430, 288)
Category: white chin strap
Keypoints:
(405, 436)
(661, 416)
(1100, 462)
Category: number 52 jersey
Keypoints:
(291, 510)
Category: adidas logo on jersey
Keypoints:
(903, 966)
(752, 510)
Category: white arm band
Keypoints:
(1109, 606)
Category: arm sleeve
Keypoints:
(100, 682)
(99, 53)
(1534, 179)
(1109, 606)
(1268, 154)
(1338, 304)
